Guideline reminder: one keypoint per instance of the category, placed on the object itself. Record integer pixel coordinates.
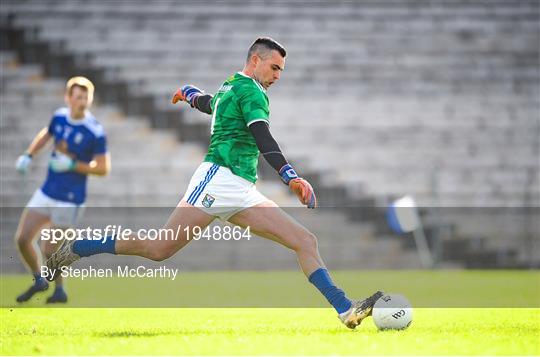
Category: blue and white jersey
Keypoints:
(84, 138)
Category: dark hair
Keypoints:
(266, 44)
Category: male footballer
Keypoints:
(79, 151)
(223, 186)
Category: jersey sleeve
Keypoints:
(100, 146)
(50, 129)
(253, 104)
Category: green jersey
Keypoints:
(239, 102)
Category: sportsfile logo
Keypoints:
(56, 235)
(113, 232)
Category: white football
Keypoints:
(392, 312)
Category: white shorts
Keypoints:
(218, 192)
(61, 213)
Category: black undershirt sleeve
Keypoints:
(202, 103)
(267, 145)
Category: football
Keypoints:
(392, 312)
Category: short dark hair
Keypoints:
(265, 44)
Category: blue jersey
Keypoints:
(84, 138)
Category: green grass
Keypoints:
(455, 313)
(278, 331)
(290, 289)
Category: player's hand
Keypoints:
(22, 163)
(62, 163)
(187, 93)
(299, 186)
(304, 192)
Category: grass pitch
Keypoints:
(495, 329)
(263, 331)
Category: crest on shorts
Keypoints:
(208, 201)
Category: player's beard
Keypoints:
(264, 84)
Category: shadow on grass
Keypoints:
(129, 333)
(225, 331)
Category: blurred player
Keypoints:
(224, 184)
(79, 150)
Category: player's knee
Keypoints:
(160, 254)
(308, 242)
(21, 243)
(23, 239)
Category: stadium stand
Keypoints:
(435, 99)
(150, 168)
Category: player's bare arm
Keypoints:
(64, 162)
(39, 141)
(99, 166)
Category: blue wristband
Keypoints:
(190, 93)
(287, 173)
